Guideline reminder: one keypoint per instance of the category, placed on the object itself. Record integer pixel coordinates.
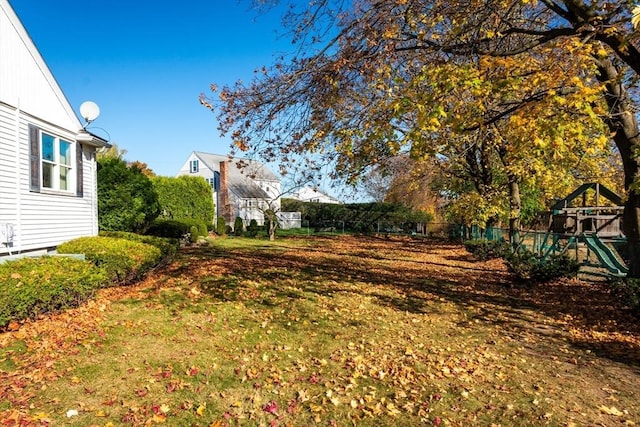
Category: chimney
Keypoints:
(225, 210)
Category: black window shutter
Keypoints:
(34, 158)
(79, 172)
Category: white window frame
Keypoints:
(56, 165)
(194, 166)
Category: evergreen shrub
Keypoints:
(221, 228)
(531, 267)
(168, 246)
(168, 228)
(127, 200)
(33, 286)
(238, 226)
(484, 249)
(252, 231)
(628, 291)
(122, 261)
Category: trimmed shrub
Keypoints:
(238, 226)
(33, 286)
(200, 227)
(168, 246)
(252, 231)
(184, 197)
(168, 228)
(528, 266)
(221, 228)
(123, 261)
(487, 249)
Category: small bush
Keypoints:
(628, 290)
(221, 228)
(168, 228)
(123, 261)
(200, 227)
(487, 249)
(252, 230)
(193, 238)
(238, 226)
(528, 266)
(33, 286)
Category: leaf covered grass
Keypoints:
(328, 331)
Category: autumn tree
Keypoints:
(375, 79)
(402, 180)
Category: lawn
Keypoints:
(332, 331)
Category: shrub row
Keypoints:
(168, 246)
(177, 229)
(32, 286)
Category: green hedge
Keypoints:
(168, 246)
(177, 228)
(33, 286)
(123, 261)
(184, 197)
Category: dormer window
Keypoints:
(194, 166)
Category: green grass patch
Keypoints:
(298, 332)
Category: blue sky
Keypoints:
(145, 63)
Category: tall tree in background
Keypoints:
(375, 79)
(402, 180)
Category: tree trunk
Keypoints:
(515, 201)
(515, 207)
(272, 230)
(623, 124)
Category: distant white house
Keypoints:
(241, 187)
(309, 194)
(48, 191)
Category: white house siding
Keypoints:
(25, 81)
(8, 168)
(40, 220)
(29, 94)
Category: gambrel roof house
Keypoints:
(48, 192)
(241, 187)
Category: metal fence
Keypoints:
(586, 248)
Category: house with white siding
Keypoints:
(241, 187)
(48, 192)
(313, 195)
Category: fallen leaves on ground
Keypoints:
(330, 331)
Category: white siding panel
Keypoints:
(30, 94)
(25, 80)
(8, 169)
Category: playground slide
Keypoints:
(606, 256)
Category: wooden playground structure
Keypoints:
(591, 216)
